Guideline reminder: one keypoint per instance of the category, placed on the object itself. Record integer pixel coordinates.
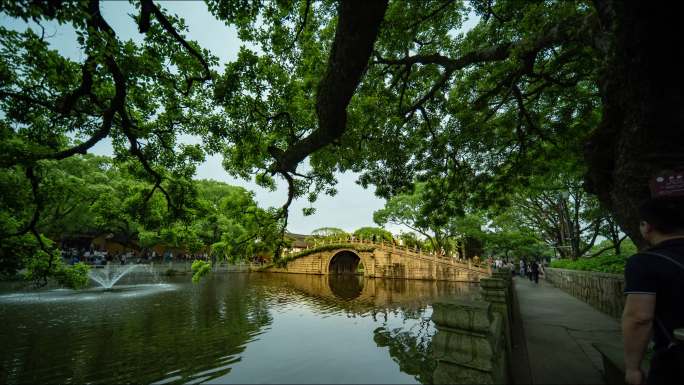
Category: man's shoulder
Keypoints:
(638, 258)
(641, 264)
(654, 259)
(673, 248)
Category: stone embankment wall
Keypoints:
(473, 340)
(601, 290)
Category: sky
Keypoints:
(350, 209)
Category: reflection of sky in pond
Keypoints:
(232, 328)
(335, 348)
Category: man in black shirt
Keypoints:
(654, 287)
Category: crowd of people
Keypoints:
(531, 269)
(100, 257)
(527, 267)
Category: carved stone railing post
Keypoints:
(495, 291)
(506, 275)
(468, 344)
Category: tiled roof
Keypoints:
(298, 240)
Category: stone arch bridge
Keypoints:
(379, 259)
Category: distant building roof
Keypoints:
(298, 240)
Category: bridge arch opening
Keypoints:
(344, 262)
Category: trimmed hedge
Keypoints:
(605, 264)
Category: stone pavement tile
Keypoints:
(555, 358)
(559, 330)
(550, 304)
(585, 339)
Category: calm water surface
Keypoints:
(231, 328)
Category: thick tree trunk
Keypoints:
(473, 247)
(642, 91)
(616, 247)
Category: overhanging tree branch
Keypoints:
(303, 24)
(149, 7)
(357, 29)
(596, 254)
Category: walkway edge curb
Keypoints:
(521, 372)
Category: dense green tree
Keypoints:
(329, 232)
(379, 234)
(475, 114)
(560, 211)
(92, 196)
(509, 238)
(444, 230)
(398, 94)
(409, 209)
(614, 235)
(411, 240)
(233, 224)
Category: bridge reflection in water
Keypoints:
(346, 287)
(409, 342)
(231, 328)
(351, 292)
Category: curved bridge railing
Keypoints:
(480, 268)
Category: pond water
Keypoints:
(230, 328)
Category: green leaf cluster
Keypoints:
(377, 233)
(200, 269)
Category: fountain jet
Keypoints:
(109, 276)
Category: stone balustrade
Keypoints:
(406, 251)
(473, 340)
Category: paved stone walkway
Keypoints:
(559, 330)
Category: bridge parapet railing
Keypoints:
(411, 252)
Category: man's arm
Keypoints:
(637, 324)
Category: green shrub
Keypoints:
(200, 269)
(604, 263)
(75, 277)
(42, 266)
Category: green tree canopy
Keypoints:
(327, 232)
(391, 89)
(94, 195)
(377, 233)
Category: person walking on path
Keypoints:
(535, 271)
(522, 267)
(529, 271)
(654, 288)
